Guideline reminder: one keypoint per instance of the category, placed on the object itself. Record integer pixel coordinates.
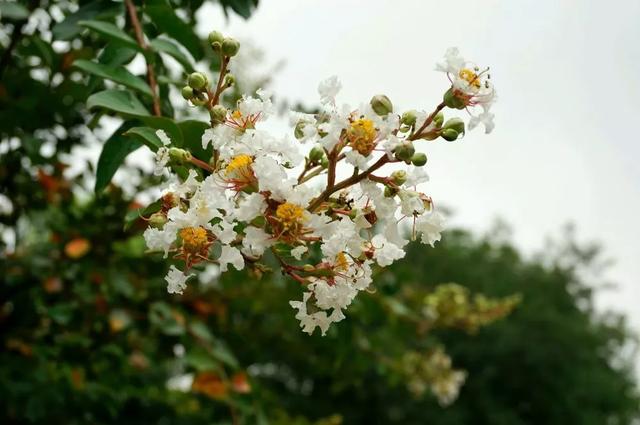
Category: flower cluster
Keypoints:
(317, 203)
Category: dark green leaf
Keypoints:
(120, 101)
(116, 55)
(169, 127)
(243, 8)
(192, 133)
(164, 17)
(13, 11)
(145, 135)
(119, 75)
(69, 28)
(111, 32)
(114, 151)
(169, 47)
(133, 216)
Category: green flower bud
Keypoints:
(197, 80)
(216, 46)
(298, 131)
(438, 119)
(218, 114)
(215, 37)
(456, 124)
(187, 92)
(179, 156)
(390, 192)
(409, 118)
(419, 159)
(157, 220)
(229, 80)
(399, 177)
(316, 154)
(381, 105)
(405, 151)
(452, 101)
(449, 134)
(230, 46)
(199, 100)
(324, 162)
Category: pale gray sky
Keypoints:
(567, 74)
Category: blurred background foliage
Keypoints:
(89, 334)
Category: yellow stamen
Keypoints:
(470, 77)
(194, 239)
(240, 165)
(362, 134)
(341, 262)
(290, 215)
(236, 115)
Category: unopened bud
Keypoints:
(187, 92)
(409, 118)
(399, 177)
(316, 154)
(324, 162)
(197, 80)
(419, 159)
(298, 131)
(449, 134)
(229, 80)
(308, 268)
(230, 46)
(215, 37)
(157, 220)
(199, 101)
(390, 192)
(453, 101)
(218, 114)
(456, 124)
(438, 119)
(381, 105)
(405, 151)
(179, 156)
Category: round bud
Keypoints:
(438, 119)
(179, 156)
(229, 80)
(419, 159)
(409, 118)
(199, 101)
(317, 153)
(324, 162)
(230, 46)
(308, 268)
(187, 92)
(157, 220)
(399, 177)
(455, 124)
(449, 134)
(215, 37)
(197, 80)
(453, 101)
(218, 114)
(298, 131)
(405, 151)
(381, 105)
(390, 192)
(216, 46)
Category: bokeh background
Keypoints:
(535, 284)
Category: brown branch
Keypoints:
(151, 75)
(426, 123)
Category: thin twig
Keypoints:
(151, 75)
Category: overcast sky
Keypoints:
(566, 146)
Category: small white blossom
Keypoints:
(329, 89)
(176, 281)
(430, 225)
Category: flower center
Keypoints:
(240, 167)
(341, 262)
(289, 215)
(361, 135)
(194, 239)
(470, 77)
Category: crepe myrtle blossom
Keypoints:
(321, 203)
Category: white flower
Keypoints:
(430, 225)
(385, 252)
(410, 203)
(485, 118)
(272, 177)
(166, 141)
(415, 176)
(160, 239)
(162, 159)
(230, 255)
(299, 251)
(255, 241)
(356, 159)
(176, 281)
(328, 89)
(453, 62)
(250, 207)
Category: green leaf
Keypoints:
(13, 11)
(165, 19)
(116, 55)
(69, 28)
(119, 75)
(243, 8)
(169, 127)
(120, 101)
(192, 134)
(111, 32)
(145, 135)
(170, 48)
(114, 151)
